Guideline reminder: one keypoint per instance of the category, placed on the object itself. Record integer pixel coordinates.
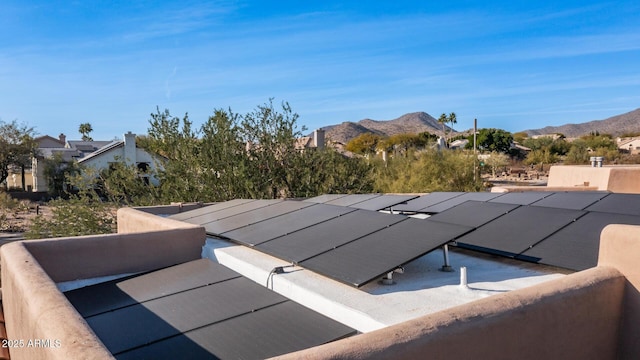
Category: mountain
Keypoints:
(615, 125)
(416, 122)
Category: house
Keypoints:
(122, 151)
(629, 145)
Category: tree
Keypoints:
(495, 161)
(17, 146)
(493, 140)
(57, 171)
(364, 144)
(443, 119)
(452, 119)
(85, 129)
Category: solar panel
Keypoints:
(276, 330)
(321, 199)
(209, 209)
(382, 202)
(473, 213)
(218, 213)
(426, 201)
(154, 320)
(521, 198)
(327, 235)
(518, 230)
(576, 200)
(576, 246)
(448, 204)
(119, 293)
(628, 204)
(251, 217)
(369, 257)
(198, 300)
(352, 199)
(286, 224)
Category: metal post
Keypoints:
(446, 267)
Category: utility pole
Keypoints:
(475, 149)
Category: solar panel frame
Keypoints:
(367, 258)
(383, 202)
(352, 199)
(521, 198)
(425, 201)
(576, 247)
(221, 226)
(322, 237)
(278, 226)
(219, 214)
(448, 204)
(617, 203)
(321, 199)
(473, 213)
(518, 230)
(576, 200)
(209, 209)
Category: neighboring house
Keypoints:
(630, 145)
(316, 140)
(122, 151)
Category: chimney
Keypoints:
(62, 138)
(318, 139)
(130, 148)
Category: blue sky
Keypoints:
(513, 65)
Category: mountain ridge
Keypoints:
(417, 122)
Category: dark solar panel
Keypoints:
(448, 204)
(285, 224)
(119, 293)
(217, 213)
(576, 200)
(140, 324)
(327, 235)
(518, 230)
(209, 209)
(367, 258)
(251, 217)
(321, 199)
(628, 204)
(382, 202)
(576, 247)
(473, 213)
(521, 198)
(276, 330)
(352, 199)
(426, 201)
(204, 311)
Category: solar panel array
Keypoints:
(345, 243)
(553, 228)
(339, 236)
(199, 310)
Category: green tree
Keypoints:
(364, 144)
(493, 140)
(443, 119)
(74, 217)
(17, 146)
(57, 172)
(427, 171)
(496, 161)
(85, 129)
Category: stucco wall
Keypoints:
(133, 220)
(575, 317)
(34, 309)
(622, 179)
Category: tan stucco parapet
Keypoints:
(34, 308)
